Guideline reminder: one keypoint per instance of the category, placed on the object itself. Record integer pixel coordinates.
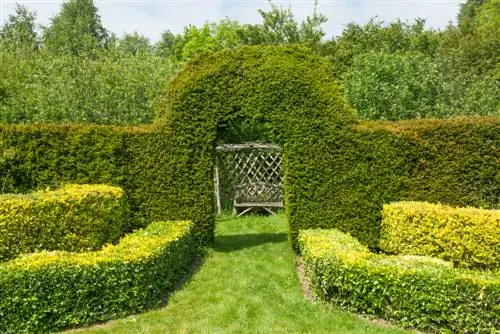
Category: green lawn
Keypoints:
(247, 284)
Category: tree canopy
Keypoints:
(75, 70)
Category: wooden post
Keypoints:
(217, 187)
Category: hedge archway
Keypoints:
(286, 89)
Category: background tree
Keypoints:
(165, 47)
(134, 44)
(383, 85)
(468, 12)
(76, 30)
(19, 33)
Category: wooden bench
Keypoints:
(257, 195)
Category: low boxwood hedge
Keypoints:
(469, 237)
(72, 218)
(48, 291)
(418, 292)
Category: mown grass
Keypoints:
(247, 284)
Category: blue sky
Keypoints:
(151, 18)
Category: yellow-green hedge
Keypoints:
(417, 292)
(72, 218)
(469, 237)
(47, 291)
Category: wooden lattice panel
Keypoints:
(251, 174)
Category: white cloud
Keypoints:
(151, 18)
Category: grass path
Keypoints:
(248, 284)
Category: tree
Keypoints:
(165, 47)
(468, 12)
(383, 85)
(19, 34)
(280, 27)
(375, 36)
(134, 44)
(76, 30)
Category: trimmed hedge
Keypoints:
(285, 94)
(418, 292)
(158, 175)
(49, 291)
(469, 237)
(72, 218)
(337, 173)
(343, 180)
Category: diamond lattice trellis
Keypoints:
(249, 176)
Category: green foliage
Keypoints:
(278, 27)
(403, 71)
(376, 37)
(285, 89)
(73, 218)
(393, 86)
(263, 84)
(134, 45)
(468, 12)
(114, 88)
(48, 291)
(160, 178)
(76, 30)
(469, 237)
(18, 34)
(387, 86)
(417, 292)
(343, 180)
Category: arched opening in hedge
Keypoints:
(282, 94)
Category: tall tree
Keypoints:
(165, 47)
(18, 34)
(76, 30)
(468, 12)
(134, 44)
(279, 26)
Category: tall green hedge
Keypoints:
(73, 218)
(338, 173)
(285, 90)
(156, 173)
(343, 181)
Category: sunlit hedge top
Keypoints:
(286, 87)
(76, 217)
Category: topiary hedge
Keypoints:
(158, 178)
(343, 181)
(288, 88)
(72, 218)
(280, 93)
(337, 173)
(418, 292)
(469, 237)
(49, 291)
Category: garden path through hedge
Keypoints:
(247, 284)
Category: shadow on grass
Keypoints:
(230, 243)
